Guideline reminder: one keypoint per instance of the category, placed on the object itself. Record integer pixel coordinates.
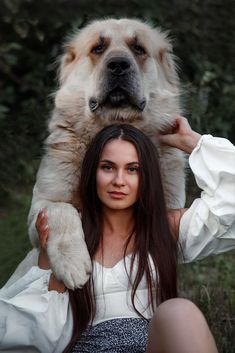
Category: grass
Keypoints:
(209, 283)
(13, 234)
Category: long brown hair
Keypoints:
(152, 234)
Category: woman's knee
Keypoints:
(177, 310)
(177, 324)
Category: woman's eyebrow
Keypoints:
(106, 161)
(111, 162)
(131, 163)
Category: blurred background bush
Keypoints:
(31, 34)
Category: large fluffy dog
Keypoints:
(112, 71)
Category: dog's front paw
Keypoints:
(67, 250)
(70, 260)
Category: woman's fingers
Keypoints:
(44, 236)
(42, 228)
(183, 125)
(168, 139)
(41, 220)
(183, 137)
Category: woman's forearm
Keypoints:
(54, 283)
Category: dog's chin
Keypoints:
(110, 114)
(118, 106)
(117, 102)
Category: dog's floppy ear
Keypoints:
(163, 54)
(166, 59)
(66, 62)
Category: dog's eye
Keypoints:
(138, 49)
(98, 49)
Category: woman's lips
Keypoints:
(117, 195)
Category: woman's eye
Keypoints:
(106, 167)
(133, 169)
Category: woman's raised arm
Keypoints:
(208, 226)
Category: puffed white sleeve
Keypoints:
(208, 226)
(33, 319)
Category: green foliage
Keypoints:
(31, 34)
(210, 284)
(14, 238)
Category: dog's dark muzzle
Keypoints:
(120, 86)
(118, 66)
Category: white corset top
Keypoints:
(113, 292)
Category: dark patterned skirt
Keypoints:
(126, 335)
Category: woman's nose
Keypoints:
(119, 178)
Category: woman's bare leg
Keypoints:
(178, 326)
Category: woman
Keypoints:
(132, 240)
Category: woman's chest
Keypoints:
(113, 251)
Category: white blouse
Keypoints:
(112, 287)
(34, 319)
(208, 226)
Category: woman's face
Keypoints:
(117, 177)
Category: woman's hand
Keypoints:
(182, 137)
(43, 233)
(43, 261)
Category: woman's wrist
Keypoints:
(191, 142)
(55, 284)
(44, 264)
(43, 261)
(183, 137)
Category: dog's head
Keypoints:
(119, 70)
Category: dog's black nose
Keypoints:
(118, 66)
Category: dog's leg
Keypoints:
(172, 164)
(67, 251)
(68, 255)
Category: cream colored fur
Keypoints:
(73, 125)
